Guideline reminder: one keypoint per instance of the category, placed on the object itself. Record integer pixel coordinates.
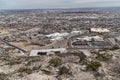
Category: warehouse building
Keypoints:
(100, 30)
(47, 51)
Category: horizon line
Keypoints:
(58, 8)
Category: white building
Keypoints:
(57, 36)
(47, 51)
(87, 38)
(100, 30)
(76, 32)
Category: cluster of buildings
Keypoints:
(35, 43)
(47, 32)
(57, 21)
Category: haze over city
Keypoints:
(38, 4)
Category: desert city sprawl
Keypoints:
(60, 44)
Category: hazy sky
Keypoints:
(31, 4)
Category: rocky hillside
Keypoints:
(99, 65)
